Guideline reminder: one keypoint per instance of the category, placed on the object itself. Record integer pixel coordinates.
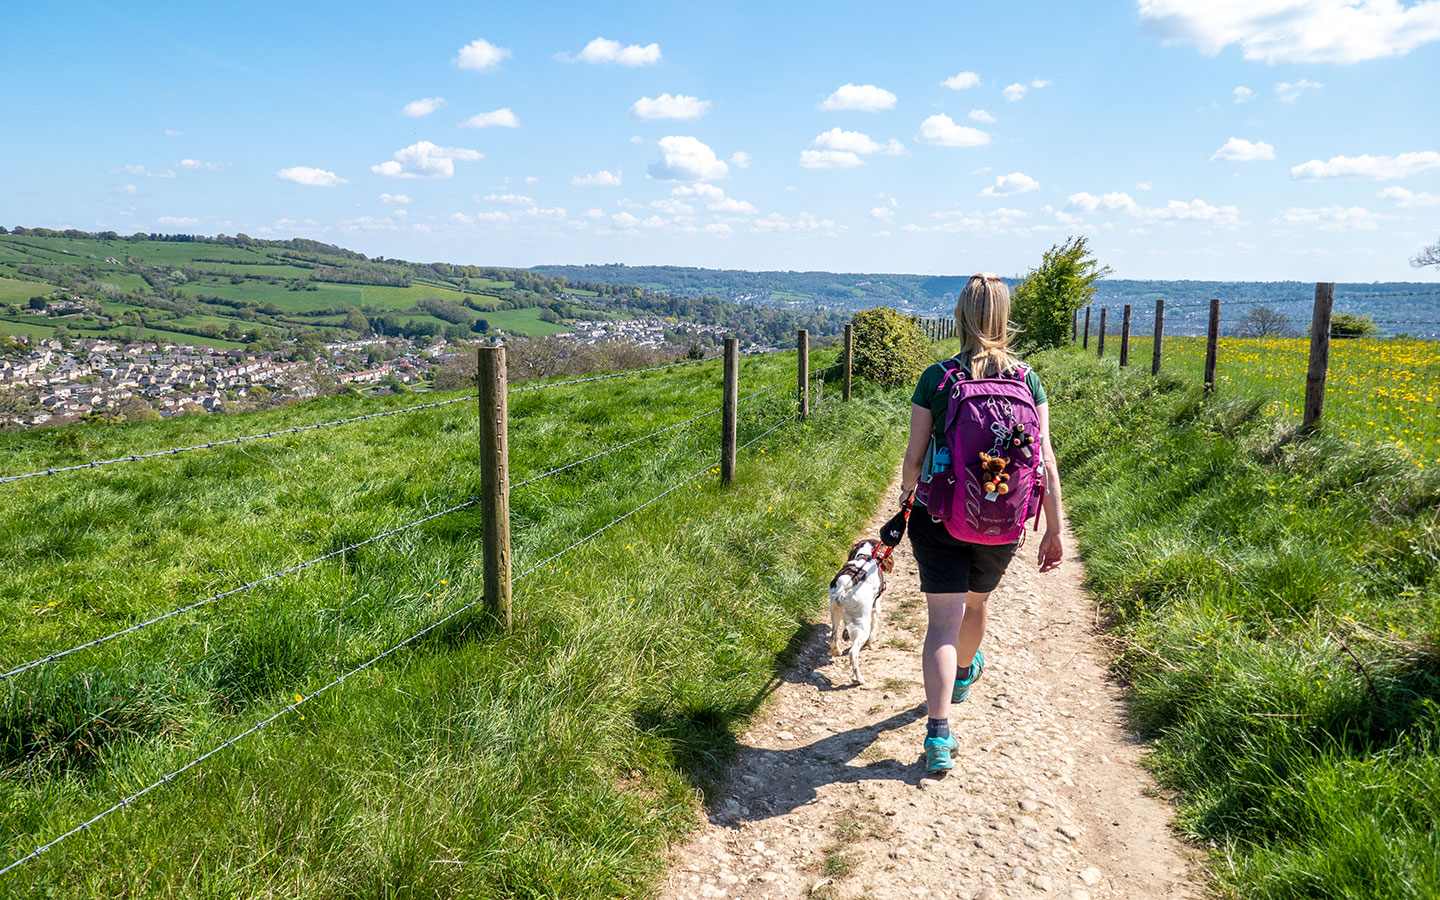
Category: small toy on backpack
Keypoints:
(1021, 439)
(995, 477)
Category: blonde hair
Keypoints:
(983, 316)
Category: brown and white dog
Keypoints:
(855, 600)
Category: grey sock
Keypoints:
(937, 728)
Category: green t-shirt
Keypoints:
(927, 393)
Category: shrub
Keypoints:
(1046, 298)
(890, 348)
(1345, 325)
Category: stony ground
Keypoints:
(829, 799)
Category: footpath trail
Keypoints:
(828, 797)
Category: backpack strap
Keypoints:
(954, 370)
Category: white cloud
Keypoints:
(531, 179)
(731, 205)
(883, 213)
(311, 176)
(805, 222)
(1145, 186)
(195, 165)
(604, 50)
(1039, 82)
(461, 219)
(1381, 168)
(1014, 92)
(424, 160)
(499, 118)
(866, 97)
(829, 159)
(684, 158)
(141, 170)
(855, 142)
(402, 199)
(740, 159)
(1014, 183)
(1243, 94)
(1290, 91)
(422, 107)
(636, 139)
(171, 132)
(1333, 218)
(186, 221)
(1241, 150)
(515, 199)
(713, 197)
(602, 178)
(1276, 31)
(1175, 210)
(1405, 199)
(666, 106)
(942, 131)
(961, 81)
(980, 115)
(595, 213)
(710, 192)
(480, 55)
(496, 217)
(129, 189)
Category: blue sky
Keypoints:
(1263, 139)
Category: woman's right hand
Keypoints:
(1052, 550)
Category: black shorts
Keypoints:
(952, 566)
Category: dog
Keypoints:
(855, 600)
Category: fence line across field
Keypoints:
(300, 700)
(53, 657)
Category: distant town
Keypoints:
(55, 381)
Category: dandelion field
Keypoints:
(1379, 390)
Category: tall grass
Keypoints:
(554, 761)
(1277, 600)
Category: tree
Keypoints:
(355, 321)
(480, 326)
(1429, 256)
(1262, 321)
(1345, 325)
(1046, 298)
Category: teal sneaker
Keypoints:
(962, 688)
(937, 753)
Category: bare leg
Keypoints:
(946, 612)
(972, 628)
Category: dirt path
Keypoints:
(828, 797)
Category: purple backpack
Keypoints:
(988, 419)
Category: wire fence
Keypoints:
(816, 378)
(1384, 390)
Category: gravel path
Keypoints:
(828, 797)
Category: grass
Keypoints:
(1276, 599)
(15, 291)
(1379, 389)
(471, 763)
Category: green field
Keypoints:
(1274, 598)
(559, 760)
(13, 291)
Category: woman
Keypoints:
(957, 577)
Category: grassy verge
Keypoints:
(555, 761)
(1278, 605)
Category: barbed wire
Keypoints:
(550, 384)
(172, 775)
(1364, 294)
(135, 457)
(643, 437)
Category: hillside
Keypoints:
(228, 291)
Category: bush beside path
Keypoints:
(828, 798)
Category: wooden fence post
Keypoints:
(849, 357)
(1086, 344)
(804, 361)
(1075, 325)
(495, 482)
(1159, 335)
(1100, 342)
(1125, 338)
(1319, 352)
(1212, 345)
(730, 407)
